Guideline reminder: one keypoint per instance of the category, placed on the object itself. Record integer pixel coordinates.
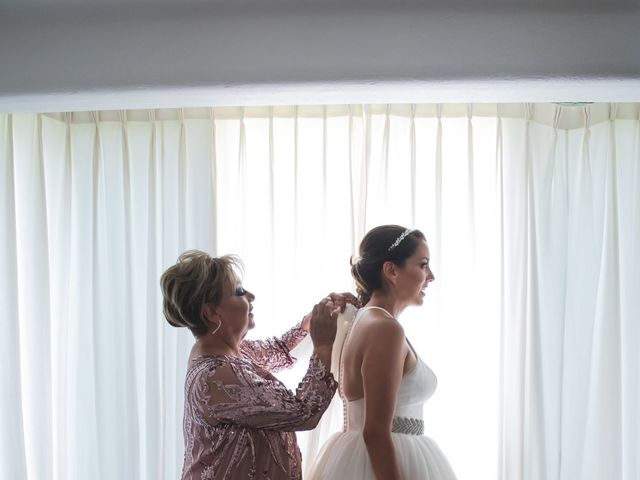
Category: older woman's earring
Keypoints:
(216, 329)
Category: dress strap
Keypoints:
(411, 347)
(364, 309)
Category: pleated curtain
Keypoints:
(532, 215)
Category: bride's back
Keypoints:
(369, 328)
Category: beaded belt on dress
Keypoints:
(407, 425)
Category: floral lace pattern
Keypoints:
(239, 420)
(273, 354)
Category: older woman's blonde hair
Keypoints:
(194, 280)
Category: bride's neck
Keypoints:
(389, 303)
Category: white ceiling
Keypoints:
(574, 5)
(61, 55)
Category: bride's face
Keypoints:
(415, 276)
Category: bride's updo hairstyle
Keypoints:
(391, 243)
(194, 280)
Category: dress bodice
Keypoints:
(415, 389)
(346, 455)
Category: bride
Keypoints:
(383, 382)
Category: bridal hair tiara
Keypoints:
(399, 239)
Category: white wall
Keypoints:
(76, 57)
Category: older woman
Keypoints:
(239, 420)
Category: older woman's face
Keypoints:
(235, 310)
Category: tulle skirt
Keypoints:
(344, 457)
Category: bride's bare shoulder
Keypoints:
(375, 325)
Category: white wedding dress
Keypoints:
(344, 456)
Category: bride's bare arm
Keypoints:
(382, 367)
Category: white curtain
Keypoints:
(532, 213)
(570, 358)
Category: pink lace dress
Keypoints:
(239, 420)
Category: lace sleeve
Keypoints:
(273, 354)
(233, 392)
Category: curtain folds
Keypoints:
(532, 213)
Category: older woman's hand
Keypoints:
(339, 300)
(322, 323)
